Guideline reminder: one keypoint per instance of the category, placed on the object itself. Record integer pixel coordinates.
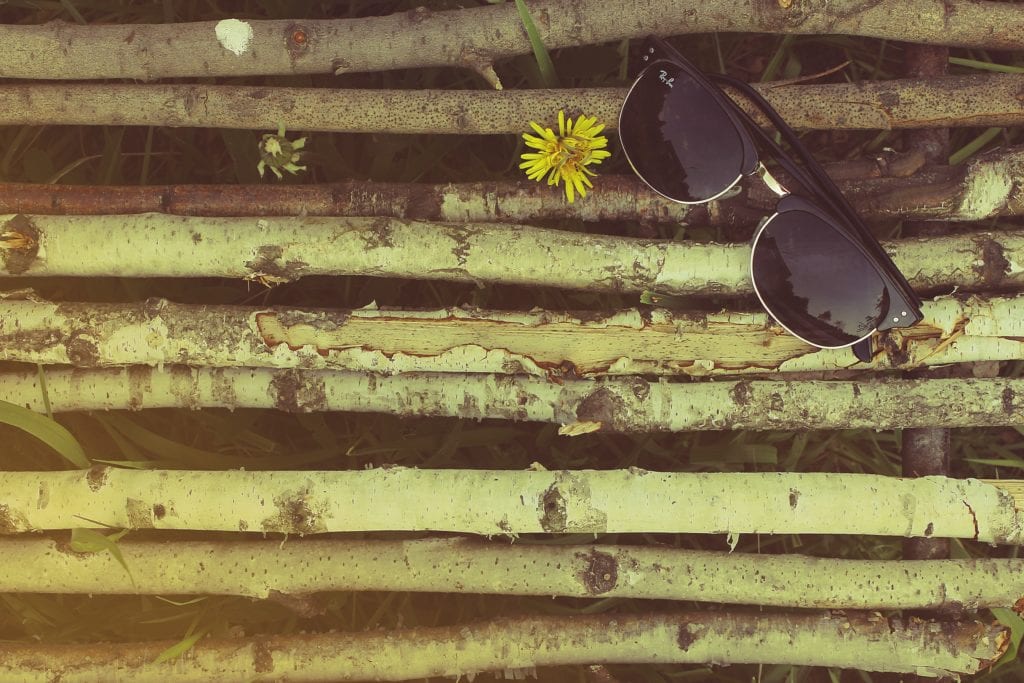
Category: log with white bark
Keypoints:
(511, 502)
(264, 568)
(468, 38)
(582, 405)
(467, 340)
(283, 249)
(981, 100)
(869, 642)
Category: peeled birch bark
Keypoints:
(468, 38)
(284, 249)
(261, 569)
(466, 340)
(494, 502)
(867, 642)
(978, 100)
(627, 405)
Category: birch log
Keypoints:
(284, 249)
(509, 502)
(473, 37)
(467, 340)
(886, 186)
(981, 100)
(866, 642)
(260, 569)
(627, 405)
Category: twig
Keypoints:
(421, 37)
(298, 569)
(622, 405)
(284, 249)
(979, 100)
(539, 342)
(868, 642)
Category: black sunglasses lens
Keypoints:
(815, 281)
(677, 137)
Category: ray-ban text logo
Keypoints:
(663, 77)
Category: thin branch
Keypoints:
(879, 188)
(464, 37)
(265, 568)
(283, 249)
(869, 642)
(511, 502)
(627, 405)
(466, 340)
(981, 100)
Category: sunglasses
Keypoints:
(817, 269)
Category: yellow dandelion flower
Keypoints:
(565, 156)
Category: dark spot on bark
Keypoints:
(687, 637)
(297, 38)
(243, 525)
(601, 573)
(777, 402)
(8, 525)
(129, 38)
(603, 406)
(262, 658)
(504, 525)
(159, 511)
(294, 515)
(196, 237)
(140, 514)
(897, 355)
(19, 259)
(268, 262)
(460, 236)
(889, 99)
(929, 530)
(994, 265)
(96, 477)
(794, 496)
(640, 388)
(298, 392)
(82, 350)
(856, 390)
(552, 505)
(1008, 396)
(741, 393)
(423, 203)
(378, 234)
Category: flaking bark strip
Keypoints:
(868, 642)
(261, 568)
(666, 406)
(549, 344)
(517, 502)
(84, 246)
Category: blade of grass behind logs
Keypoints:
(47, 430)
(547, 68)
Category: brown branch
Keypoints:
(887, 186)
(473, 38)
(981, 100)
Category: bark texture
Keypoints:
(867, 642)
(265, 568)
(285, 249)
(470, 38)
(491, 502)
(982, 100)
(540, 343)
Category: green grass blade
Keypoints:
(89, 541)
(973, 146)
(47, 430)
(987, 66)
(547, 68)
